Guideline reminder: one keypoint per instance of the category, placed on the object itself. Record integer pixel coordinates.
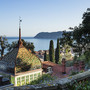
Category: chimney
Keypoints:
(63, 66)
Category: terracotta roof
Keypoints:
(48, 63)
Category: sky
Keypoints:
(40, 15)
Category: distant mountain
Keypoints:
(49, 35)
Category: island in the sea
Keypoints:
(49, 35)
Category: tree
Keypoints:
(75, 58)
(57, 52)
(66, 38)
(45, 56)
(87, 57)
(79, 38)
(51, 52)
(81, 34)
(86, 22)
(26, 44)
(3, 44)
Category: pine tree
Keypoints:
(57, 52)
(45, 56)
(51, 51)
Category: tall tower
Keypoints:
(20, 41)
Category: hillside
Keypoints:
(51, 35)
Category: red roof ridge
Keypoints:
(50, 63)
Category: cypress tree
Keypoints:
(45, 56)
(51, 52)
(57, 52)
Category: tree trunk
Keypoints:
(2, 52)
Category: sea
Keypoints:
(40, 44)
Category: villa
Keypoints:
(20, 65)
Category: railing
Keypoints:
(6, 86)
(61, 84)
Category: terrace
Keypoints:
(62, 84)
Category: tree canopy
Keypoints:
(51, 51)
(45, 56)
(79, 38)
(3, 44)
(57, 52)
(26, 44)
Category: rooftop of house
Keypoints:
(19, 59)
(57, 69)
(49, 63)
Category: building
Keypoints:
(20, 65)
(48, 66)
(55, 69)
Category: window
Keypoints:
(35, 76)
(23, 80)
(18, 81)
(49, 69)
(31, 77)
(27, 79)
(38, 74)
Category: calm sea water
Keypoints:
(40, 44)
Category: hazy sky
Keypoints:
(40, 15)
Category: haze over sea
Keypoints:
(40, 44)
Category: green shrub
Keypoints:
(44, 79)
(85, 85)
(82, 85)
(73, 73)
(69, 63)
(87, 57)
(81, 57)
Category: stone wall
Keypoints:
(60, 84)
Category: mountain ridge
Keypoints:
(49, 35)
